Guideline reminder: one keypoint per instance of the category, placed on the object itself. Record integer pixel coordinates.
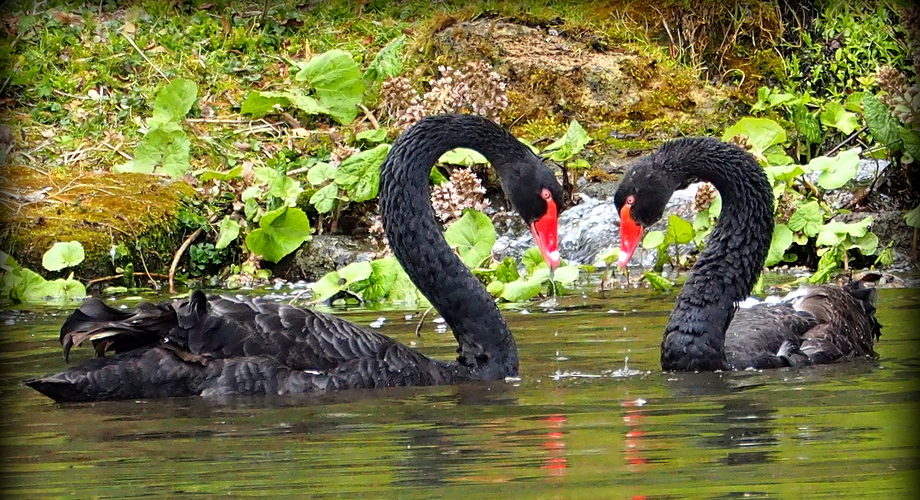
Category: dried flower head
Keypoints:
(463, 190)
(704, 196)
(475, 88)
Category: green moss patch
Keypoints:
(100, 210)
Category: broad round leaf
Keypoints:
(63, 254)
(473, 236)
(280, 232)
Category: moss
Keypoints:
(99, 210)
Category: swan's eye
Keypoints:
(546, 194)
(630, 199)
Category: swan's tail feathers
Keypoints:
(110, 329)
(137, 374)
(847, 325)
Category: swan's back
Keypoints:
(822, 324)
(229, 345)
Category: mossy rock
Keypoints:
(554, 75)
(100, 210)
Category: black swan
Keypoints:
(706, 331)
(222, 345)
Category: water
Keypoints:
(580, 423)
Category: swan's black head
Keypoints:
(535, 194)
(641, 198)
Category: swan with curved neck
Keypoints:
(705, 330)
(226, 345)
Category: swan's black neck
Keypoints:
(486, 345)
(735, 250)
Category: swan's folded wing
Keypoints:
(767, 336)
(301, 339)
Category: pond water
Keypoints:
(581, 422)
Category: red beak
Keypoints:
(630, 232)
(545, 232)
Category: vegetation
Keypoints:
(261, 133)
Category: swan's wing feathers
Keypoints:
(847, 325)
(111, 329)
(767, 336)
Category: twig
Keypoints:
(370, 117)
(847, 140)
(185, 244)
(117, 150)
(178, 255)
(141, 52)
(418, 328)
(122, 275)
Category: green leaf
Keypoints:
(327, 286)
(436, 177)
(829, 262)
(521, 290)
(355, 272)
(229, 231)
(658, 282)
(495, 288)
(784, 173)
(881, 122)
(264, 175)
(381, 279)
(285, 188)
(807, 219)
(63, 254)
(473, 236)
(911, 143)
(781, 241)
(372, 135)
(836, 116)
(359, 174)
(566, 274)
(570, 144)
(259, 104)
(280, 232)
(320, 173)
(653, 239)
(761, 133)
(532, 260)
(386, 63)
(323, 200)
(912, 218)
(867, 244)
(806, 123)
(403, 289)
(233, 173)
(462, 156)
(160, 147)
(833, 233)
(338, 82)
(836, 171)
(679, 231)
(173, 102)
(507, 271)
(59, 290)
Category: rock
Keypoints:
(322, 254)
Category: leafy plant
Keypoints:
(678, 232)
(21, 284)
(165, 146)
(473, 237)
(805, 218)
(337, 87)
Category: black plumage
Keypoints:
(224, 345)
(706, 330)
